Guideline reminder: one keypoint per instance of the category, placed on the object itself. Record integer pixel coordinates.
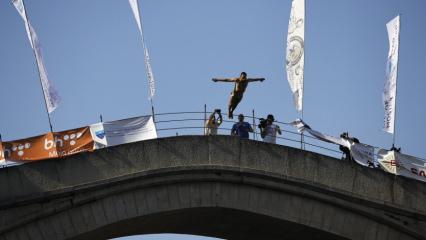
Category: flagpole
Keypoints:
(37, 62)
(303, 84)
(152, 111)
(396, 84)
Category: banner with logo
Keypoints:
(98, 135)
(51, 96)
(29, 148)
(73, 141)
(2, 161)
(389, 92)
(124, 131)
(401, 164)
(295, 56)
(50, 145)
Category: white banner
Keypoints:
(150, 75)
(362, 154)
(98, 134)
(401, 164)
(123, 131)
(19, 5)
(51, 96)
(302, 126)
(389, 93)
(295, 56)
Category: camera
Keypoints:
(262, 123)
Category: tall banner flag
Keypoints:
(51, 96)
(295, 57)
(389, 93)
(150, 75)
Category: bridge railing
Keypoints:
(193, 123)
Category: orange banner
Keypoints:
(73, 141)
(50, 145)
(1, 152)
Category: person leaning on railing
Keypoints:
(346, 151)
(213, 123)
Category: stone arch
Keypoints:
(90, 193)
(218, 203)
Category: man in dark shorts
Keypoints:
(241, 128)
(240, 87)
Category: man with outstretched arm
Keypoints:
(240, 86)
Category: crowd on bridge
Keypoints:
(392, 160)
(268, 130)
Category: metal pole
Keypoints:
(254, 125)
(205, 118)
(303, 85)
(39, 74)
(153, 113)
(100, 116)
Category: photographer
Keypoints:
(269, 130)
(213, 123)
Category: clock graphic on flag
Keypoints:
(294, 50)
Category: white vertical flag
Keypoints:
(389, 93)
(51, 96)
(295, 57)
(150, 75)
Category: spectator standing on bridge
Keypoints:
(270, 130)
(241, 128)
(346, 151)
(213, 123)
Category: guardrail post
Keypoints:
(205, 119)
(254, 125)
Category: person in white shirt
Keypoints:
(213, 123)
(269, 132)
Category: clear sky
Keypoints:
(167, 237)
(94, 57)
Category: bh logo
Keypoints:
(17, 148)
(59, 142)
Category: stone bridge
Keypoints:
(217, 186)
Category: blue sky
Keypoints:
(94, 57)
(167, 236)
